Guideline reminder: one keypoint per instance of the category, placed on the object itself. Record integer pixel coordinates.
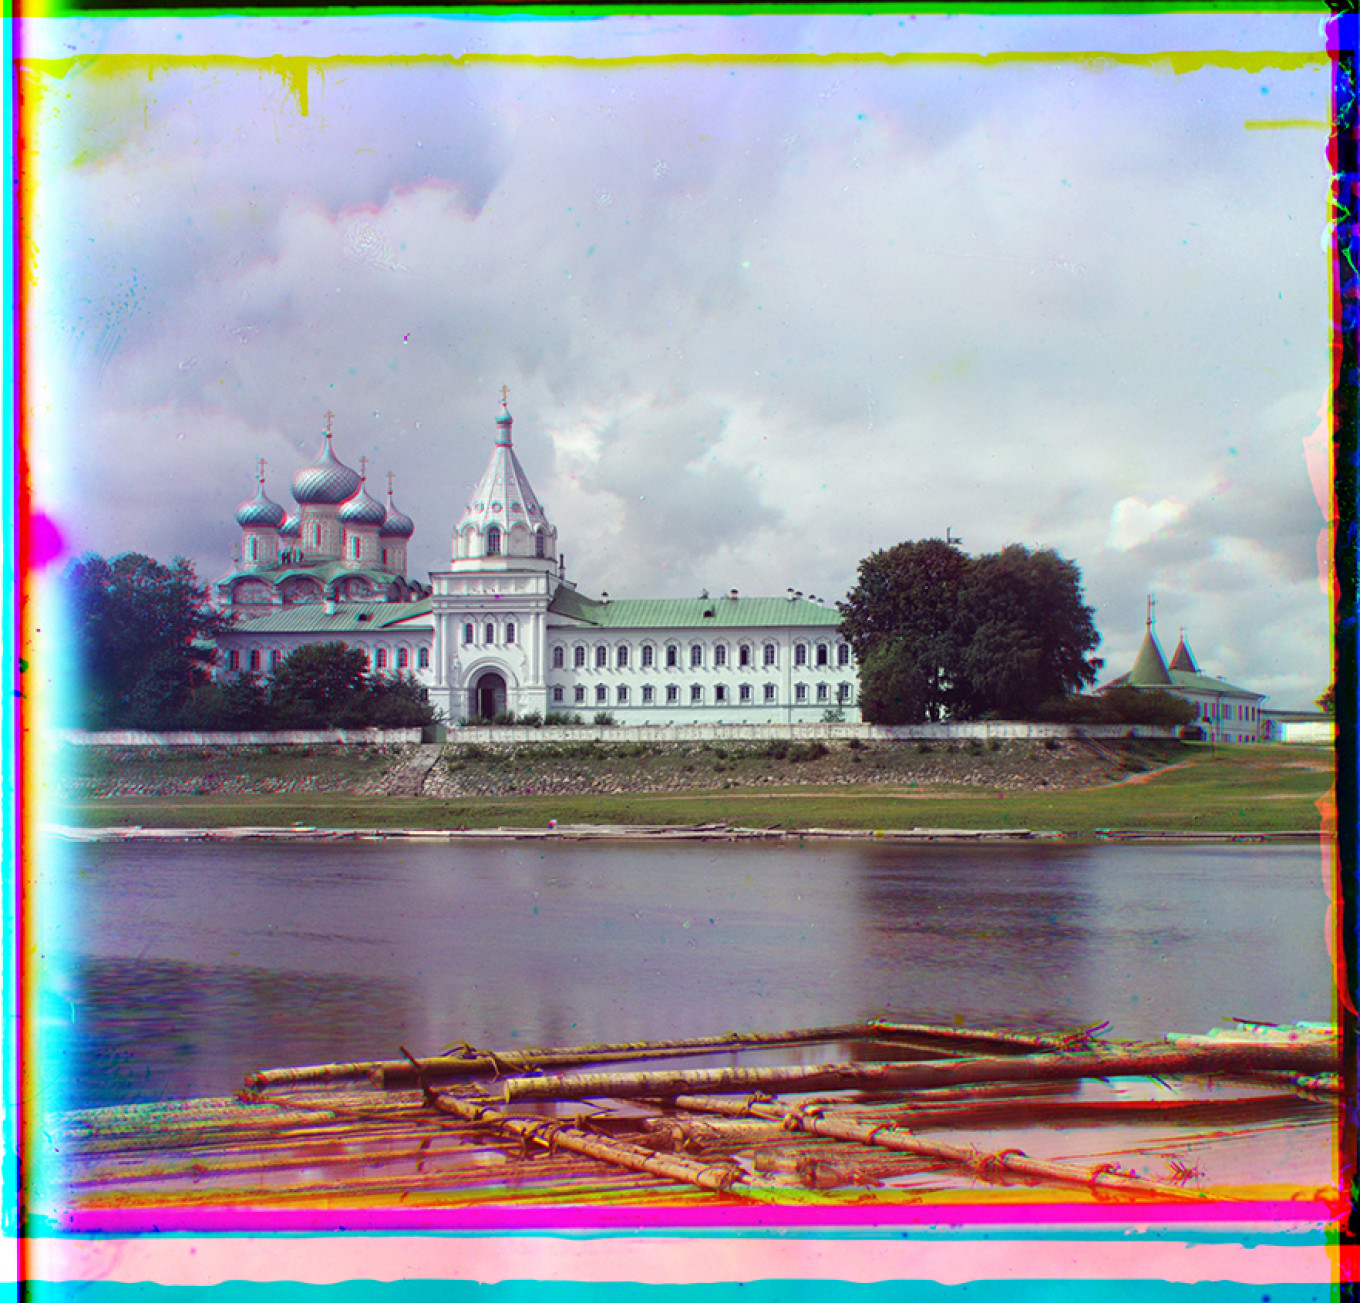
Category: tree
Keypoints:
(322, 685)
(1327, 702)
(939, 634)
(398, 703)
(143, 635)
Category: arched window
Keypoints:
(744, 655)
(493, 541)
(672, 656)
(558, 658)
(254, 549)
(380, 658)
(720, 654)
(843, 654)
(233, 660)
(403, 658)
(467, 633)
(578, 657)
(622, 661)
(771, 654)
(423, 658)
(823, 654)
(354, 548)
(696, 656)
(510, 632)
(275, 659)
(800, 653)
(490, 633)
(254, 661)
(601, 656)
(648, 655)
(316, 535)
(540, 543)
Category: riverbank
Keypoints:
(1068, 788)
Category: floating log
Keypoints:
(988, 1166)
(1157, 1060)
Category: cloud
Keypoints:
(1134, 521)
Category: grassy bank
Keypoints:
(1193, 788)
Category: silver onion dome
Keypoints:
(260, 510)
(328, 481)
(362, 509)
(396, 524)
(292, 526)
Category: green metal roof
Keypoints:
(1149, 669)
(1184, 681)
(322, 571)
(347, 617)
(693, 612)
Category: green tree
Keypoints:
(322, 685)
(143, 639)
(909, 597)
(398, 703)
(939, 634)
(1327, 702)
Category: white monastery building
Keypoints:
(503, 629)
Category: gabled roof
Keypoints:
(1182, 659)
(692, 612)
(346, 618)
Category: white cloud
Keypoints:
(1134, 521)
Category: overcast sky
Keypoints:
(759, 317)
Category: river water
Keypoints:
(172, 970)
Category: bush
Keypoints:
(800, 753)
(560, 719)
(777, 749)
(532, 720)
(603, 717)
(504, 718)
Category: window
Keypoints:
(254, 549)
(696, 694)
(720, 694)
(233, 660)
(843, 654)
(467, 633)
(744, 693)
(800, 653)
(423, 658)
(823, 654)
(316, 535)
(580, 694)
(384, 556)
(275, 659)
(672, 656)
(696, 656)
(254, 660)
(800, 691)
(601, 656)
(510, 632)
(771, 655)
(403, 658)
(647, 694)
(769, 692)
(380, 658)
(720, 654)
(622, 695)
(672, 694)
(601, 694)
(559, 695)
(842, 692)
(622, 661)
(559, 658)
(744, 655)
(578, 658)
(823, 692)
(493, 541)
(354, 549)
(648, 655)
(540, 544)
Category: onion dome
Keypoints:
(291, 527)
(327, 482)
(362, 509)
(396, 524)
(260, 511)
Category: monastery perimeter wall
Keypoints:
(524, 736)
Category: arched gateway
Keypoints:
(487, 697)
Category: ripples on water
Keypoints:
(172, 970)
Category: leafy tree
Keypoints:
(397, 703)
(1327, 702)
(143, 635)
(323, 685)
(939, 634)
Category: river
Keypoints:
(171, 970)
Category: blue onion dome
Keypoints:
(291, 527)
(328, 481)
(362, 509)
(260, 510)
(396, 524)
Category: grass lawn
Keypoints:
(1230, 789)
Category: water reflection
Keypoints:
(185, 966)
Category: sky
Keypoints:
(760, 314)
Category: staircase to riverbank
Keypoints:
(409, 780)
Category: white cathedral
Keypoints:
(503, 629)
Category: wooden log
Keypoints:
(473, 1063)
(987, 1166)
(1157, 1060)
(718, 1178)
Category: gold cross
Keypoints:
(260, 470)
(389, 484)
(330, 416)
(363, 468)
(505, 395)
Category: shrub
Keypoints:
(603, 717)
(798, 754)
(504, 717)
(560, 718)
(532, 720)
(776, 749)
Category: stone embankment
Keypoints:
(598, 768)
